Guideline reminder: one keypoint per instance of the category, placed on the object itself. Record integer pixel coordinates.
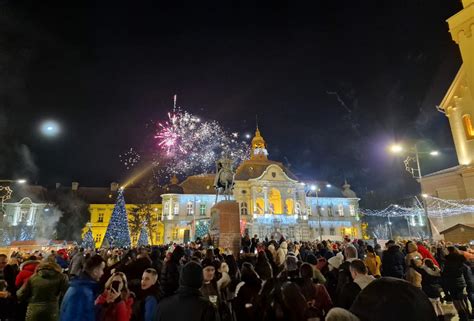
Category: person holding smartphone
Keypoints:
(115, 303)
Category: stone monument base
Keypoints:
(225, 226)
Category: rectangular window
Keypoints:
(320, 211)
(100, 219)
(332, 231)
(352, 210)
(98, 237)
(176, 209)
(24, 214)
(167, 207)
(308, 210)
(190, 209)
(202, 209)
(330, 210)
(322, 231)
(340, 210)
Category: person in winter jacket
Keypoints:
(115, 303)
(317, 297)
(412, 253)
(317, 275)
(145, 305)
(373, 262)
(246, 294)
(27, 269)
(42, 291)
(78, 302)
(360, 281)
(263, 267)
(393, 262)
(77, 263)
(453, 281)
(412, 275)
(469, 278)
(135, 269)
(425, 253)
(391, 299)
(188, 295)
(344, 275)
(281, 255)
(431, 285)
(169, 280)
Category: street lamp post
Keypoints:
(315, 189)
(390, 226)
(416, 174)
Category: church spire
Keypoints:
(258, 147)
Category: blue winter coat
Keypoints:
(78, 302)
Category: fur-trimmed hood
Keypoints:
(48, 268)
(435, 272)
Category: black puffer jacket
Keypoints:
(453, 271)
(393, 262)
(169, 279)
(430, 281)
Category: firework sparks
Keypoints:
(130, 158)
(188, 145)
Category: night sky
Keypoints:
(104, 69)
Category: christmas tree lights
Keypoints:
(202, 228)
(143, 238)
(118, 233)
(88, 240)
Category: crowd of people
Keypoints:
(268, 280)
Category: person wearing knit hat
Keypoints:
(209, 284)
(188, 295)
(317, 275)
(336, 261)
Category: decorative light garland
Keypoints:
(436, 208)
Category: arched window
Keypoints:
(308, 210)
(243, 208)
(297, 208)
(189, 209)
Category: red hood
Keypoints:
(426, 254)
(30, 266)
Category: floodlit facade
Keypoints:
(272, 201)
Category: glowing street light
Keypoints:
(50, 128)
(434, 153)
(21, 181)
(328, 185)
(396, 148)
(313, 187)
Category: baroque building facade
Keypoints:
(457, 183)
(272, 202)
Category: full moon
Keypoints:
(50, 128)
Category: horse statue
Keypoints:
(224, 180)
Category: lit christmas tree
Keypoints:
(118, 234)
(88, 240)
(202, 228)
(143, 238)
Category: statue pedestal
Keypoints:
(225, 226)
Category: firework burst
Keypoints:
(187, 145)
(130, 158)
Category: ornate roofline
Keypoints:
(266, 170)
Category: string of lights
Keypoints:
(436, 208)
